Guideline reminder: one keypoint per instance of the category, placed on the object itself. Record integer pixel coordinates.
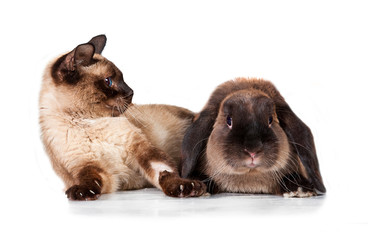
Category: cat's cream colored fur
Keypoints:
(130, 151)
(73, 141)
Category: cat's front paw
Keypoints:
(83, 192)
(174, 186)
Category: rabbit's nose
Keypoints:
(252, 154)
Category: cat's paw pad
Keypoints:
(180, 187)
(190, 188)
(83, 192)
(299, 194)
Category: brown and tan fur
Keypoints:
(247, 139)
(97, 141)
(243, 179)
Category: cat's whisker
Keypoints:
(136, 114)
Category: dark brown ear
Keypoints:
(99, 43)
(83, 55)
(196, 136)
(301, 138)
(65, 68)
(195, 141)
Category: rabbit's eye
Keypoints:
(229, 121)
(270, 120)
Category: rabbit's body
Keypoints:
(256, 144)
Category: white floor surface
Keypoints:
(148, 213)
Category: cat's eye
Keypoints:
(108, 81)
(229, 121)
(270, 120)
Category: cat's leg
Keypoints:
(91, 182)
(162, 171)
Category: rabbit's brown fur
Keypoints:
(247, 139)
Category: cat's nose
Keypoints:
(129, 96)
(126, 92)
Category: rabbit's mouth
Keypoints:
(248, 165)
(252, 162)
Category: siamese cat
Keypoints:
(97, 140)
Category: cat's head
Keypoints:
(91, 81)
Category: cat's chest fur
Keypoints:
(74, 139)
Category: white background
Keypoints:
(172, 52)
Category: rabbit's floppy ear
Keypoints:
(195, 141)
(196, 136)
(301, 138)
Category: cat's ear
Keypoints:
(99, 43)
(65, 68)
(83, 54)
